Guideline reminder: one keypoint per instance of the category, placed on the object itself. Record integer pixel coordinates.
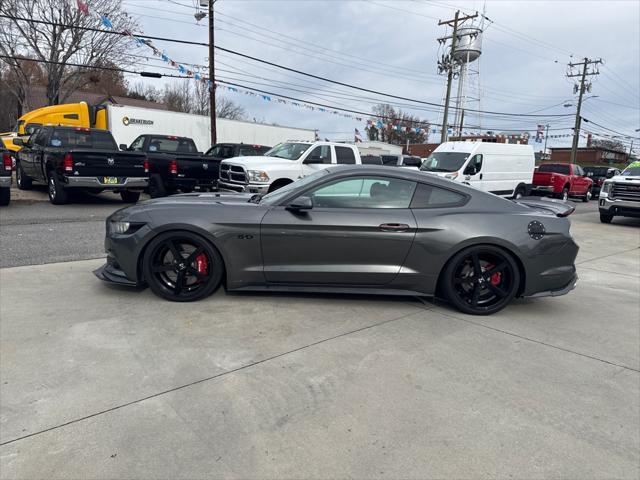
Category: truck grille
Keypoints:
(232, 174)
(626, 191)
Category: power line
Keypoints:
(289, 69)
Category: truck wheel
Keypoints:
(605, 217)
(24, 182)
(57, 194)
(565, 194)
(5, 196)
(587, 196)
(156, 186)
(128, 196)
(519, 192)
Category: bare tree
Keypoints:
(62, 41)
(614, 145)
(387, 114)
(193, 97)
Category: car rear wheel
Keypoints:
(156, 186)
(5, 196)
(587, 196)
(128, 196)
(481, 280)
(182, 267)
(57, 194)
(24, 182)
(519, 192)
(606, 218)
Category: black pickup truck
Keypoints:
(222, 151)
(6, 168)
(175, 164)
(67, 158)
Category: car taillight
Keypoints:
(6, 161)
(68, 163)
(173, 167)
(146, 166)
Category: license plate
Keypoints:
(110, 180)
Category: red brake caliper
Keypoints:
(202, 263)
(496, 278)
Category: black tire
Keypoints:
(156, 186)
(605, 217)
(565, 194)
(128, 196)
(5, 196)
(488, 292)
(520, 191)
(587, 196)
(278, 184)
(182, 280)
(57, 193)
(24, 182)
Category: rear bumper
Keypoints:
(623, 208)
(541, 189)
(243, 188)
(556, 292)
(5, 181)
(94, 182)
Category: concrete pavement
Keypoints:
(100, 382)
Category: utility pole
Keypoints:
(461, 124)
(581, 88)
(449, 63)
(630, 150)
(212, 78)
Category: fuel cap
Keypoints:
(536, 230)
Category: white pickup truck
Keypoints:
(283, 164)
(620, 195)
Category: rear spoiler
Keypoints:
(559, 208)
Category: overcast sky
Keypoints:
(391, 47)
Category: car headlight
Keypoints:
(120, 228)
(257, 176)
(606, 188)
(451, 176)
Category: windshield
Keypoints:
(444, 162)
(288, 151)
(274, 197)
(631, 171)
(172, 145)
(222, 151)
(596, 171)
(389, 160)
(71, 138)
(562, 169)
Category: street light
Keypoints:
(569, 104)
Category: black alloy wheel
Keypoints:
(481, 280)
(182, 267)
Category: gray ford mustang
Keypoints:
(354, 229)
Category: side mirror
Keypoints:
(18, 141)
(470, 170)
(123, 147)
(610, 174)
(313, 160)
(300, 204)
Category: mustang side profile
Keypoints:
(352, 229)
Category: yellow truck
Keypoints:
(70, 114)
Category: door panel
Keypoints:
(337, 246)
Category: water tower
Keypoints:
(466, 55)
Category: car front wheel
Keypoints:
(24, 182)
(5, 196)
(182, 267)
(481, 280)
(605, 217)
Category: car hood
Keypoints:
(260, 163)
(625, 179)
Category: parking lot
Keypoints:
(104, 382)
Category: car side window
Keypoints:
(579, 170)
(364, 192)
(429, 196)
(323, 152)
(475, 164)
(137, 145)
(39, 138)
(344, 155)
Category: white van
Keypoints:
(500, 168)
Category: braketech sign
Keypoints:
(135, 121)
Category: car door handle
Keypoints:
(480, 176)
(394, 227)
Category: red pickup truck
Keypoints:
(562, 180)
